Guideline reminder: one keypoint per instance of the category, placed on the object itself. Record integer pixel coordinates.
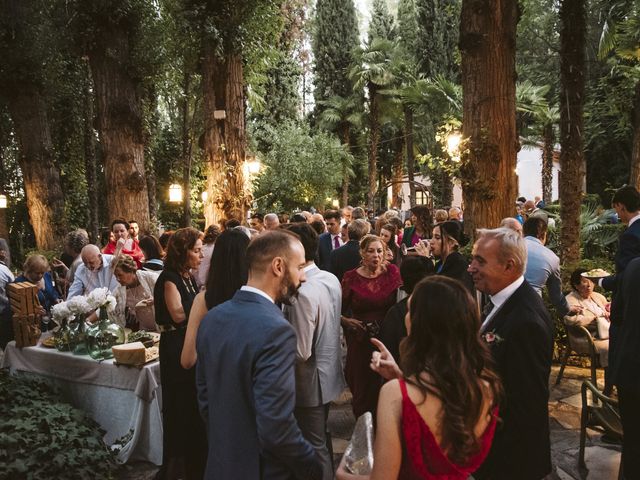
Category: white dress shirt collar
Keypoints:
(502, 296)
(633, 220)
(309, 267)
(246, 288)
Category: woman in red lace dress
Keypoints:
(436, 420)
(367, 293)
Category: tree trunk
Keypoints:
(344, 195)
(487, 44)
(4, 228)
(447, 189)
(634, 177)
(572, 77)
(547, 163)
(397, 172)
(45, 201)
(224, 139)
(90, 164)
(374, 139)
(186, 149)
(120, 126)
(411, 163)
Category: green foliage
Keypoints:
(43, 437)
(334, 37)
(437, 50)
(382, 24)
(301, 169)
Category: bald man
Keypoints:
(271, 221)
(512, 223)
(95, 272)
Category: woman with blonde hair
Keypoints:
(36, 270)
(367, 293)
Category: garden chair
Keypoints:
(603, 417)
(576, 348)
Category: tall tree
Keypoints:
(487, 44)
(436, 40)
(24, 43)
(373, 72)
(382, 24)
(335, 36)
(121, 55)
(572, 81)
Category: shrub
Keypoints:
(43, 437)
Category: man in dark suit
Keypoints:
(519, 332)
(330, 240)
(245, 371)
(347, 257)
(626, 202)
(625, 365)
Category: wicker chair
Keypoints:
(602, 415)
(576, 348)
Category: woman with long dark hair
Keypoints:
(447, 239)
(228, 271)
(388, 234)
(437, 418)
(184, 436)
(421, 220)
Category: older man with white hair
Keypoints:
(271, 221)
(519, 332)
(95, 272)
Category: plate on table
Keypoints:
(596, 273)
(48, 342)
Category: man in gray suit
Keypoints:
(315, 316)
(245, 372)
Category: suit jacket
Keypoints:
(315, 317)
(324, 251)
(246, 392)
(345, 258)
(624, 353)
(522, 350)
(628, 249)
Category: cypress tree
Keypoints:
(438, 37)
(382, 22)
(335, 36)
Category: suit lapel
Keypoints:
(497, 321)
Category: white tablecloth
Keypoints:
(125, 401)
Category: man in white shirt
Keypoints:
(315, 316)
(519, 332)
(95, 272)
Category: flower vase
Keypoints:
(62, 337)
(78, 336)
(102, 336)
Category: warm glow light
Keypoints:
(253, 166)
(205, 195)
(453, 144)
(175, 193)
(3, 201)
(335, 203)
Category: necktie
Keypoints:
(336, 242)
(487, 309)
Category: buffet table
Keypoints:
(125, 401)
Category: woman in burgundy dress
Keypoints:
(437, 418)
(367, 293)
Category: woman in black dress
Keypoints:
(184, 442)
(447, 238)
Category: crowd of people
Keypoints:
(450, 353)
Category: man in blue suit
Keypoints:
(245, 372)
(330, 240)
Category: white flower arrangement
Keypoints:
(61, 311)
(101, 297)
(78, 305)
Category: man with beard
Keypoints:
(245, 371)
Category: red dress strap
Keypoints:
(422, 456)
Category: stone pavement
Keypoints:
(602, 459)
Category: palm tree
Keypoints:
(372, 71)
(341, 115)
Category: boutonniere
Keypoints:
(492, 337)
